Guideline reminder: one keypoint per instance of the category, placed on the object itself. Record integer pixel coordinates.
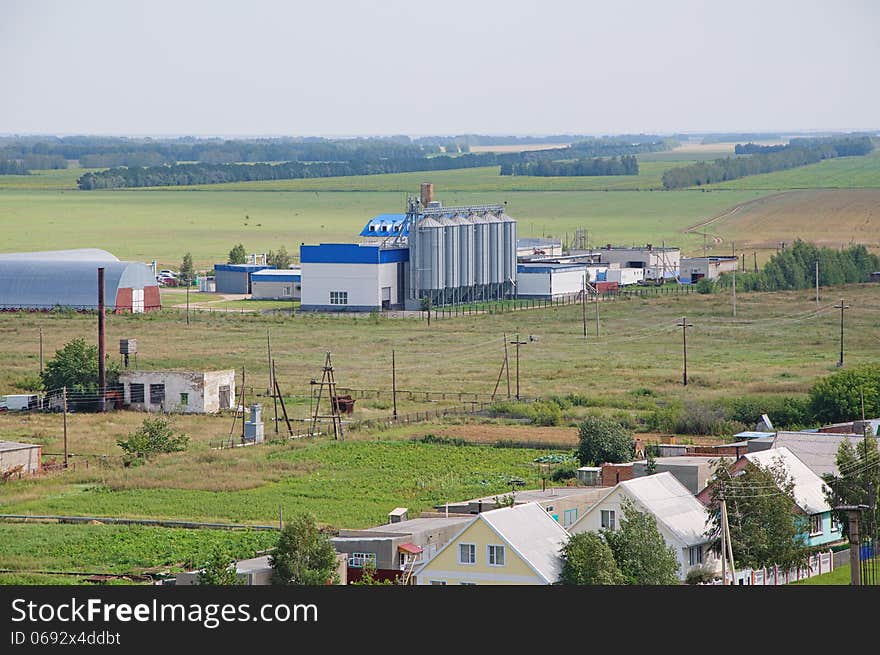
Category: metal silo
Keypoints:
(465, 254)
(481, 252)
(508, 238)
(450, 255)
(430, 255)
(496, 255)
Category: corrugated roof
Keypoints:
(385, 225)
(88, 254)
(818, 451)
(672, 504)
(809, 490)
(15, 445)
(533, 534)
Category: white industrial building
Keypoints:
(430, 254)
(694, 269)
(277, 284)
(656, 263)
(185, 392)
(25, 455)
(624, 276)
(549, 280)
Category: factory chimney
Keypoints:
(427, 193)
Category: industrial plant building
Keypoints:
(428, 255)
(186, 392)
(656, 263)
(550, 280)
(277, 284)
(693, 269)
(235, 278)
(40, 281)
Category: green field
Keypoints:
(838, 173)
(163, 225)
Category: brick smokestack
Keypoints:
(427, 193)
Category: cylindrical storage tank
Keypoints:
(430, 254)
(481, 249)
(508, 238)
(465, 250)
(496, 254)
(450, 252)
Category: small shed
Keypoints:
(186, 392)
(25, 455)
(277, 284)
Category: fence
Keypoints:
(818, 564)
(425, 396)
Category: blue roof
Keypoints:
(385, 225)
(548, 267)
(242, 268)
(351, 253)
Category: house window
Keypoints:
(695, 555)
(439, 582)
(184, 399)
(137, 393)
(467, 553)
(816, 524)
(569, 516)
(285, 291)
(357, 560)
(607, 519)
(157, 394)
(835, 523)
(496, 555)
(339, 297)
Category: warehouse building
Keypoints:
(428, 255)
(693, 269)
(235, 278)
(656, 263)
(277, 284)
(548, 281)
(40, 281)
(185, 392)
(20, 458)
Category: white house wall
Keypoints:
(202, 389)
(266, 290)
(363, 282)
(567, 281)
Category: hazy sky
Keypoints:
(334, 67)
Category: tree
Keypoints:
(304, 555)
(218, 569)
(238, 255)
(650, 461)
(368, 575)
(603, 440)
(280, 259)
(74, 366)
(838, 397)
(766, 526)
(640, 551)
(187, 271)
(587, 560)
(857, 482)
(156, 435)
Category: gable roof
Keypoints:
(817, 450)
(809, 489)
(529, 531)
(671, 504)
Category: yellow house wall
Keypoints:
(445, 566)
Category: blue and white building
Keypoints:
(277, 284)
(236, 278)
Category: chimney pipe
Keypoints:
(427, 193)
(102, 377)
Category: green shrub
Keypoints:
(564, 472)
(838, 397)
(603, 440)
(705, 286)
(156, 435)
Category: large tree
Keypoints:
(587, 560)
(218, 569)
(304, 555)
(238, 255)
(74, 366)
(840, 396)
(766, 525)
(187, 271)
(603, 440)
(640, 551)
(280, 259)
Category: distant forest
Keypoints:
(625, 165)
(332, 159)
(766, 159)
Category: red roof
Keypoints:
(410, 548)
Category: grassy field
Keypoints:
(163, 225)
(838, 173)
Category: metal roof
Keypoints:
(386, 225)
(809, 490)
(818, 451)
(242, 268)
(45, 283)
(6, 446)
(351, 253)
(277, 275)
(533, 534)
(87, 254)
(671, 504)
(749, 434)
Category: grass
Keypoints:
(839, 576)
(838, 173)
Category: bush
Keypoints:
(838, 397)
(445, 441)
(785, 412)
(603, 440)
(705, 286)
(541, 412)
(564, 472)
(156, 435)
(700, 575)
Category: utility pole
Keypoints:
(756, 261)
(507, 365)
(734, 294)
(597, 315)
(518, 343)
(584, 304)
(64, 401)
(853, 514)
(41, 349)
(187, 300)
(684, 325)
(271, 388)
(817, 283)
(394, 383)
(841, 307)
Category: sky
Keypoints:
(342, 68)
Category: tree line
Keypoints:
(624, 165)
(24, 165)
(799, 152)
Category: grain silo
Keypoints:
(508, 242)
(496, 256)
(481, 254)
(431, 257)
(465, 257)
(452, 265)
